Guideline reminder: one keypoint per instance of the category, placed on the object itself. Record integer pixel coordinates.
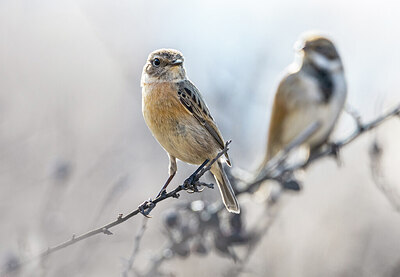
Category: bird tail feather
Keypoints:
(225, 188)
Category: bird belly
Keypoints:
(302, 117)
(178, 132)
(329, 113)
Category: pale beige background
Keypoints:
(70, 102)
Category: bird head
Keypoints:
(319, 51)
(164, 65)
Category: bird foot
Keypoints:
(335, 152)
(190, 184)
(146, 207)
(162, 192)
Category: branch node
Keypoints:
(149, 206)
(211, 186)
(106, 231)
(275, 169)
(335, 149)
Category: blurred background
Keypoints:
(75, 151)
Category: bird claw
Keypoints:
(146, 207)
(190, 184)
(200, 190)
(289, 182)
(335, 152)
(161, 193)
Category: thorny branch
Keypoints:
(378, 177)
(276, 169)
(190, 184)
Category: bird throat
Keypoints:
(324, 79)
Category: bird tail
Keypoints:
(225, 188)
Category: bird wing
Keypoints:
(191, 99)
(280, 113)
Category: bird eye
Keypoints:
(156, 62)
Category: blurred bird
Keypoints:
(179, 119)
(313, 90)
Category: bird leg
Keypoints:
(146, 207)
(190, 183)
(164, 188)
(172, 170)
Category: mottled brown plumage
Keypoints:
(180, 120)
(313, 89)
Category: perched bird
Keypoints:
(312, 90)
(179, 119)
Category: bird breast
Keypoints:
(178, 131)
(309, 106)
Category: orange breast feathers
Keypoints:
(161, 104)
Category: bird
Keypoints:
(179, 119)
(313, 89)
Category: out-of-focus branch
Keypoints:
(276, 169)
(273, 171)
(266, 220)
(378, 177)
(135, 250)
(190, 184)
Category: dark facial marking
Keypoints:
(323, 47)
(325, 82)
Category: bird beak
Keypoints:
(177, 62)
(299, 46)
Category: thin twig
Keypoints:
(271, 168)
(135, 250)
(273, 174)
(275, 169)
(272, 211)
(378, 177)
(105, 229)
(329, 151)
(354, 114)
